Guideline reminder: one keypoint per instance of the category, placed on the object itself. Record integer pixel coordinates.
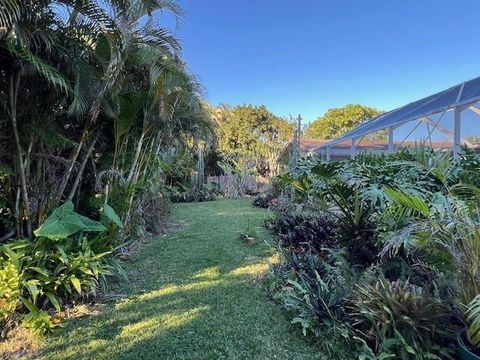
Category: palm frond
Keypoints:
(50, 134)
(473, 320)
(10, 12)
(52, 75)
(88, 9)
(410, 204)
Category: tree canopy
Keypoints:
(251, 136)
(337, 121)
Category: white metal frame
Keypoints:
(431, 125)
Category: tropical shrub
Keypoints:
(125, 112)
(326, 188)
(64, 263)
(9, 288)
(318, 294)
(208, 192)
(448, 234)
(263, 200)
(54, 273)
(300, 232)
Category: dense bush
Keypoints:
(301, 232)
(126, 122)
(208, 192)
(318, 293)
(404, 320)
(377, 234)
(123, 140)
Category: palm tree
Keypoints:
(71, 68)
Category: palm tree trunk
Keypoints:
(76, 182)
(18, 216)
(67, 175)
(13, 87)
(136, 156)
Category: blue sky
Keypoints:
(306, 56)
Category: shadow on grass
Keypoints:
(174, 321)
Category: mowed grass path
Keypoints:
(190, 295)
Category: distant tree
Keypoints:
(337, 121)
(473, 138)
(252, 136)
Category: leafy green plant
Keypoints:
(329, 190)
(9, 288)
(37, 320)
(318, 292)
(61, 265)
(183, 194)
(64, 222)
(413, 215)
(263, 200)
(448, 234)
(472, 314)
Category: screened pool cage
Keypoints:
(445, 121)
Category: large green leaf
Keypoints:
(110, 214)
(473, 320)
(54, 301)
(76, 284)
(64, 222)
(130, 107)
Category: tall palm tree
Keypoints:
(64, 70)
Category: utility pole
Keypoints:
(295, 152)
(296, 142)
(299, 132)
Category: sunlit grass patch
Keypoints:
(254, 269)
(212, 272)
(154, 326)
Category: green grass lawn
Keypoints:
(190, 295)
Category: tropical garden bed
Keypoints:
(102, 127)
(383, 257)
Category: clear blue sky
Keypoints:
(306, 56)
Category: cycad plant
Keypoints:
(327, 188)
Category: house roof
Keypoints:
(308, 145)
(383, 145)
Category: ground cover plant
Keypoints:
(391, 265)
